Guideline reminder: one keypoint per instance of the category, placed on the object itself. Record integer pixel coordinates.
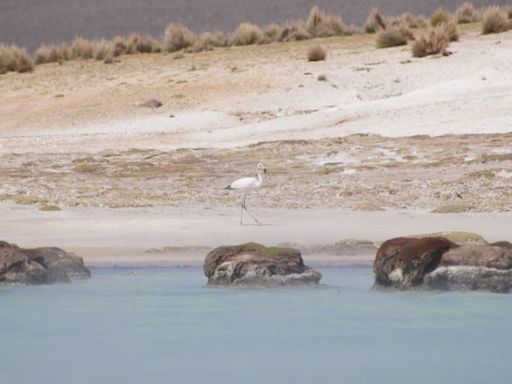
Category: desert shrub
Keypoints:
(466, 13)
(434, 42)
(246, 34)
(374, 22)
(271, 33)
(119, 46)
(206, 41)
(102, 49)
(412, 21)
(82, 48)
(439, 17)
(141, 44)
(321, 24)
(316, 53)
(508, 9)
(52, 53)
(294, 31)
(15, 59)
(495, 20)
(177, 37)
(451, 30)
(393, 37)
(5, 59)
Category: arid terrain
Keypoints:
(383, 132)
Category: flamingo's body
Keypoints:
(245, 184)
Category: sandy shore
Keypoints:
(183, 236)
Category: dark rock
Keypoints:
(253, 264)
(403, 262)
(58, 260)
(151, 103)
(38, 266)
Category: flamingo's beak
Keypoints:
(265, 170)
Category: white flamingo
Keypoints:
(245, 184)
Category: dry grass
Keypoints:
(52, 54)
(495, 20)
(374, 22)
(15, 59)
(207, 41)
(322, 24)
(316, 53)
(246, 34)
(434, 42)
(412, 21)
(177, 37)
(466, 13)
(294, 31)
(82, 49)
(141, 44)
(440, 17)
(271, 33)
(393, 37)
(451, 30)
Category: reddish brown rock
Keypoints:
(253, 264)
(403, 262)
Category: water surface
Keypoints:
(162, 326)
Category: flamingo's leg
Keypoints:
(244, 206)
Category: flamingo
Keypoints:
(245, 184)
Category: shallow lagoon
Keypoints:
(162, 326)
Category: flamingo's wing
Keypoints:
(244, 183)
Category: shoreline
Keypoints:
(123, 237)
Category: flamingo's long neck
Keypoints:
(260, 178)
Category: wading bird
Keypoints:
(245, 184)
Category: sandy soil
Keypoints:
(385, 137)
(183, 236)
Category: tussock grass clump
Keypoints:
(495, 20)
(451, 30)
(15, 59)
(412, 21)
(316, 53)
(271, 33)
(52, 53)
(440, 17)
(393, 37)
(374, 22)
(322, 24)
(207, 41)
(141, 44)
(103, 49)
(119, 46)
(466, 13)
(294, 31)
(82, 49)
(434, 42)
(246, 34)
(177, 37)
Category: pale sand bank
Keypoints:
(124, 236)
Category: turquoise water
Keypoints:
(162, 326)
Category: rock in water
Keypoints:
(403, 262)
(474, 267)
(253, 264)
(39, 266)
